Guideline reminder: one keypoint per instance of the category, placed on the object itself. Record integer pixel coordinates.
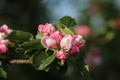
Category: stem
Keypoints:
(15, 61)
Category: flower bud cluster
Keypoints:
(4, 31)
(63, 44)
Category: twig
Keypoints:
(15, 61)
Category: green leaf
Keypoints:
(68, 21)
(64, 29)
(3, 74)
(38, 57)
(39, 35)
(41, 61)
(30, 45)
(46, 62)
(20, 36)
(19, 50)
(33, 44)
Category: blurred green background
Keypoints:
(102, 49)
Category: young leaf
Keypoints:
(68, 21)
(37, 58)
(3, 74)
(41, 61)
(46, 62)
(39, 36)
(64, 29)
(20, 36)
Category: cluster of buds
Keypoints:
(63, 44)
(4, 31)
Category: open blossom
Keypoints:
(74, 50)
(3, 48)
(61, 55)
(4, 29)
(66, 42)
(57, 36)
(48, 42)
(46, 29)
(77, 41)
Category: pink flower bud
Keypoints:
(5, 29)
(41, 28)
(61, 55)
(57, 36)
(46, 29)
(77, 41)
(66, 42)
(2, 35)
(82, 30)
(48, 42)
(74, 50)
(4, 41)
(49, 28)
(3, 48)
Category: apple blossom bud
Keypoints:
(49, 28)
(4, 29)
(46, 29)
(57, 36)
(74, 50)
(3, 48)
(48, 42)
(61, 55)
(66, 42)
(2, 35)
(41, 28)
(2, 41)
(77, 41)
(82, 30)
